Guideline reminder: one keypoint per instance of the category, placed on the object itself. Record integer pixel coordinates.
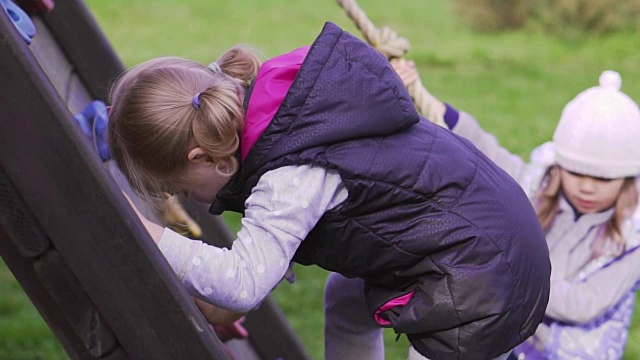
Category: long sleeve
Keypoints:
(283, 207)
(583, 289)
(581, 302)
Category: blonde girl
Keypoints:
(324, 153)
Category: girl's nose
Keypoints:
(587, 184)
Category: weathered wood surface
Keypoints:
(67, 233)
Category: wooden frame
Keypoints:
(67, 232)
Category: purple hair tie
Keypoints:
(196, 101)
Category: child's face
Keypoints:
(202, 182)
(590, 194)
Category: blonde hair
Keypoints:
(610, 237)
(153, 120)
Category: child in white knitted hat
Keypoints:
(584, 188)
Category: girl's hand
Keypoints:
(428, 105)
(406, 69)
(231, 331)
(216, 315)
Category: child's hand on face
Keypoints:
(406, 69)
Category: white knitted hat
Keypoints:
(599, 132)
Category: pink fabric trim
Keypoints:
(270, 88)
(399, 301)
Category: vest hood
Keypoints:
(344, 90)
(329, 103)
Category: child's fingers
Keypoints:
(231, 331)
(406, 69)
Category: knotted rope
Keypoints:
(392, 46)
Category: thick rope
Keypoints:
(385, 40)
(389, 44)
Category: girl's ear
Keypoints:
(197, 155)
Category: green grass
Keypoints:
(516, 84)
(23, 333)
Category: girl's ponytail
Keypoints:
(163, 105)
(217, 124)
(240, 62)
(220, 117)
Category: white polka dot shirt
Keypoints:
(282, 209)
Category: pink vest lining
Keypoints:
(270, 88)
(399, 301)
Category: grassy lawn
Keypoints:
(515, 83)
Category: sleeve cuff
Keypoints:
(451, 116)
(178, 250)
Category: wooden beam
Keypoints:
(88, 220)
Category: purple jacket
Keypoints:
(448, 244)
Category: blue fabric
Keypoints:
(93, 121)
(426, 211)
(20, 19)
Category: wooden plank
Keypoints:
(80, 312)
(117, 354)
(88, 220)
(94, 65)
(88, 50)
(62, 74)
(66, 80)
(242, 350)
(22, 269)
(17, 221)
